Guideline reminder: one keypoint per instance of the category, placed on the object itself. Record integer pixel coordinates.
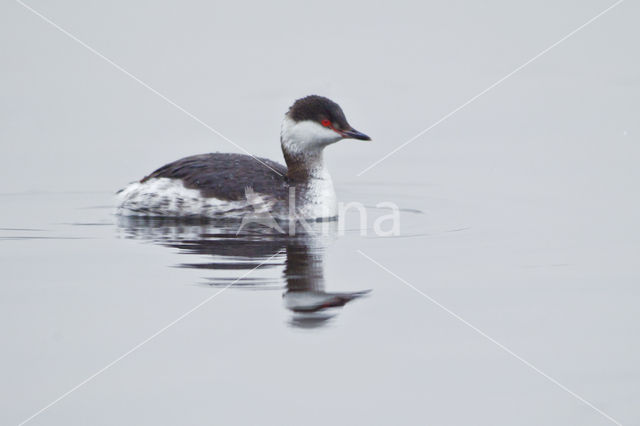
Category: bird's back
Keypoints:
(205, 185)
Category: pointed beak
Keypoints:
(352, 133)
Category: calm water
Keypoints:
(305, 328)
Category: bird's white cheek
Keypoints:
(308, 133)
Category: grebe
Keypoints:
(221, 185)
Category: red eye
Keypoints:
(326, 123)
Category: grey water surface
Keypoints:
(509, 297)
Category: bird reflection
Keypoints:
(255, 247)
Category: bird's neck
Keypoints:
(307, 175)
(305, 167)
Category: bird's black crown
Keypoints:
(318, 108)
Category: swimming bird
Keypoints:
(216, 185)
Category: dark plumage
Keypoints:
(225, 176)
